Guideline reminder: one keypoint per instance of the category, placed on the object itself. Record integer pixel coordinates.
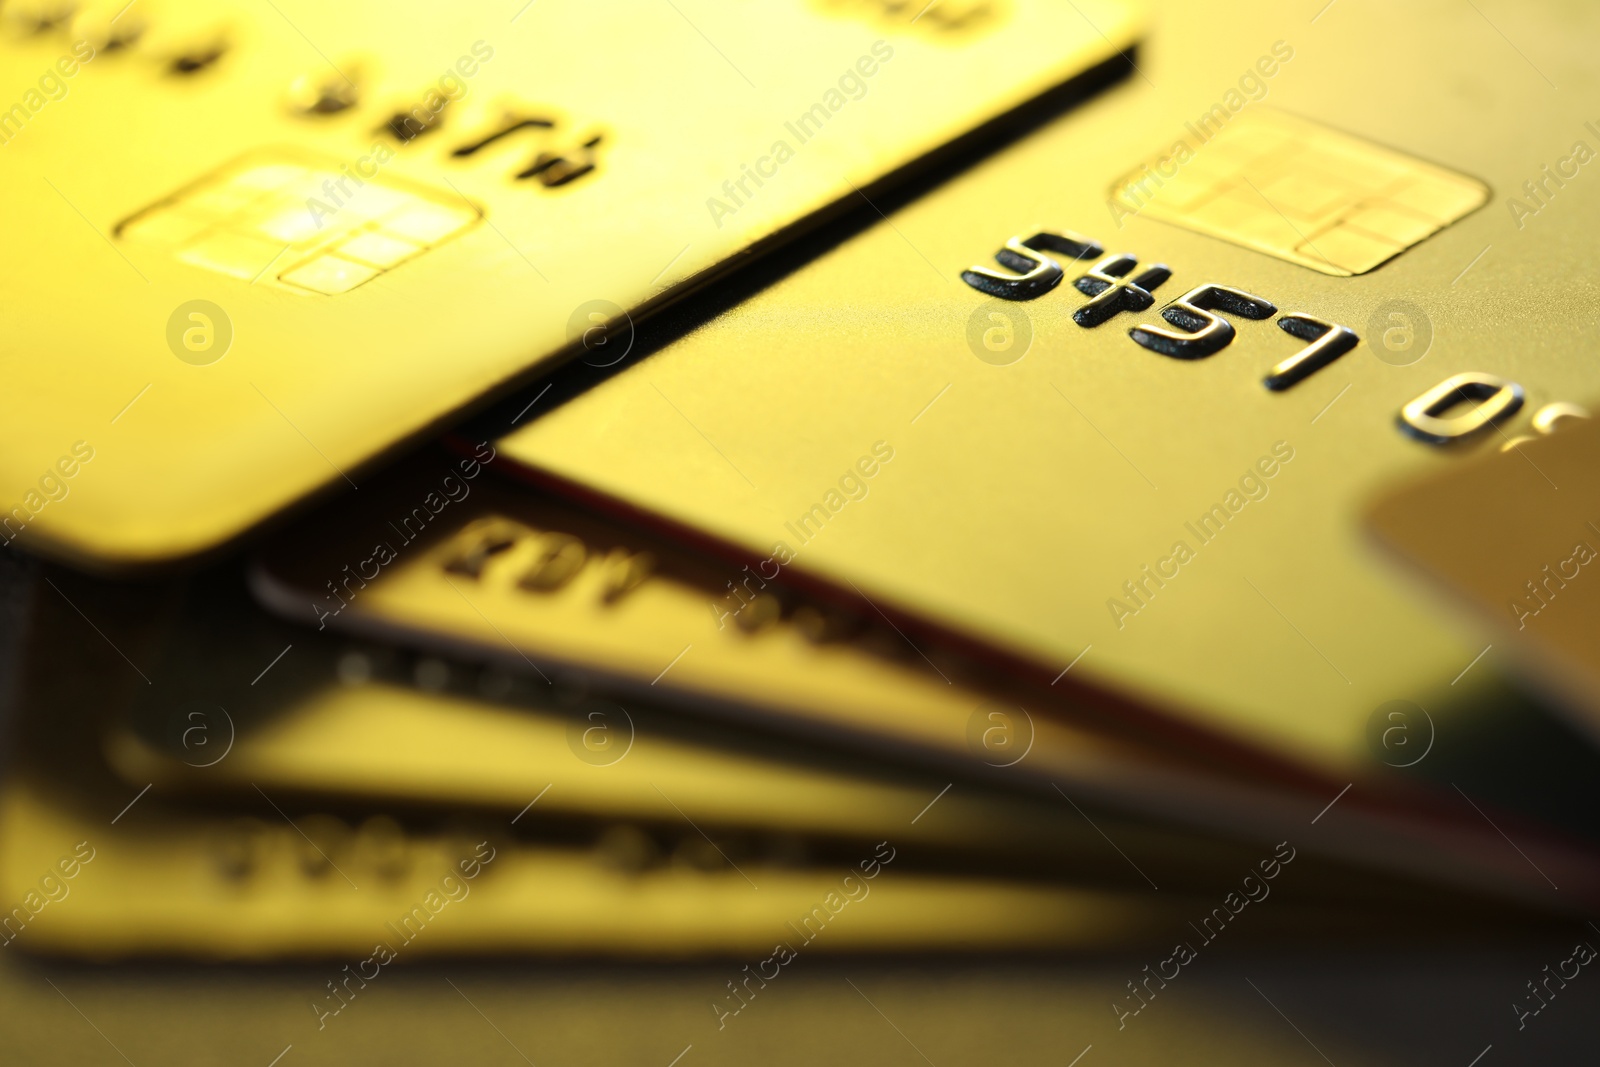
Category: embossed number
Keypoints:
(1204, 333)
(1036, 273)
(1490, 398)
(1328, 340)
(1114, 292)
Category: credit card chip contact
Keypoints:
(1298, 190)
(306, 224)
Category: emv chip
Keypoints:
(309, 225)
(1300, 191)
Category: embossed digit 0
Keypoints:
(473, 547)
(556, 562)
(1490, 398)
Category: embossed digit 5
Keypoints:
(1036, 273)
(1205, 333)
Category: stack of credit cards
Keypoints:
(632, 480)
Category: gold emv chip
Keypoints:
(1298, 190)
(319, 225)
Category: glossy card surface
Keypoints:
(253, 246)
(1131, 456)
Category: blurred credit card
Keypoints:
(431, 828)
(253, 245)
(708, 798)
(1510, 537)
(1109, 406)
(266, 884)
(509, 574)
(367, 726)
(542, 587)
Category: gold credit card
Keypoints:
(543, 588)
(254, 245)
(267, 884)
(1510, 536)
(354, 819)
(309, 823)
(509, 574)
(1110, 404)
(361, 724)
(352, 724)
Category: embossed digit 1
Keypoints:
(1328, 340)
(1491, 399)
(1036, 274)
(1205, 333)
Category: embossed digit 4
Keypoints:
(552, 168)
(555, 169)
(1114, 292)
